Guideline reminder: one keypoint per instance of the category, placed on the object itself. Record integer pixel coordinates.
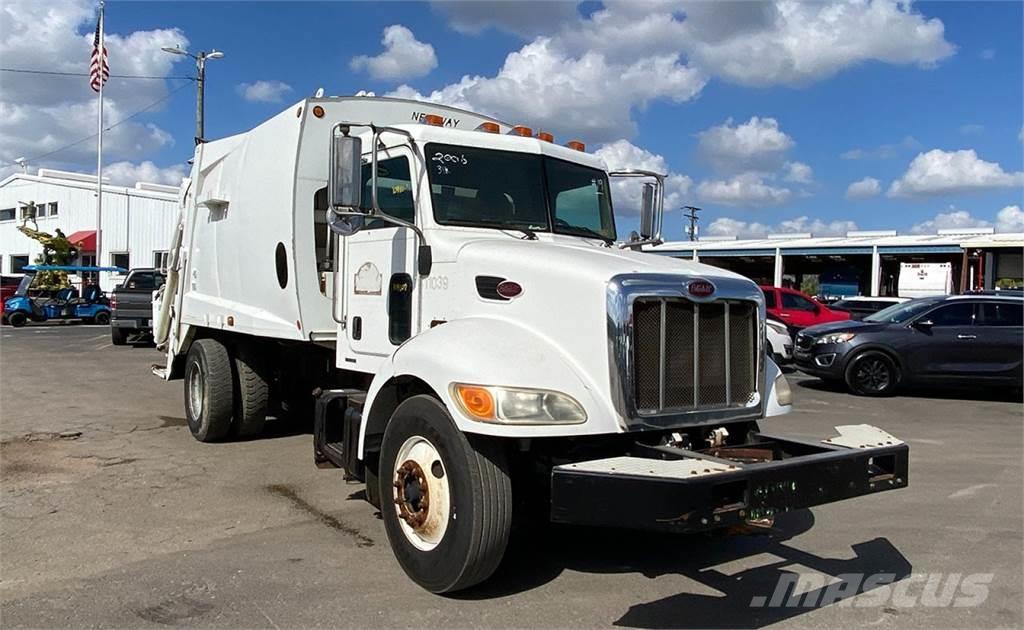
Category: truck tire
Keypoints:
(102, 318)
(119, 336)
(209, 390)
(253, 395)
(446, 498)
(17, 319)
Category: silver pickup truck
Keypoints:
(131, 305)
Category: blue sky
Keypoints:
(795, 128)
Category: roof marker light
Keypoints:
(545, 136)
(576, 145)
(489, 127)
(433, 119)
(520, 130)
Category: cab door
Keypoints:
(378, 276)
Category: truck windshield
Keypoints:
(505, 189)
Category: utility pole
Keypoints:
(200, 58)
(691, 214)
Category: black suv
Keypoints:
(954, 340)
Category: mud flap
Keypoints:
(727, 485)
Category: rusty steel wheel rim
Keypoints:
(421, 493)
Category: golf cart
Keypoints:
(91, 307)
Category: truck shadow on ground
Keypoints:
(982, 393)
(752, 596)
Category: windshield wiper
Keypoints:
(577, 230)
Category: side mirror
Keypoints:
(924, 324)
(647, 212)
(346, 186)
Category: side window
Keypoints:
(796, 302)
(769, 298)
(1000, 314)
(394, 191)
(959, 314)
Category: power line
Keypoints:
(122, 121)
(85, 74)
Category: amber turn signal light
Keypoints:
(477, 401)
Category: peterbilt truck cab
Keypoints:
(447, 295)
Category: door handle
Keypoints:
(967, 336)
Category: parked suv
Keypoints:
(797, 309)
(964, 339)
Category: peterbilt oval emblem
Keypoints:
(701, 288)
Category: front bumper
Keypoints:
(701, 491)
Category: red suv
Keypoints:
(799, 310)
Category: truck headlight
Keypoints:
(515, 405)
(834, 338)
(782, 391)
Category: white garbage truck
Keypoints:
(445, 296)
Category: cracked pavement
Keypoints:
(112, 515)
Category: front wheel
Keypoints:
(872, 374)
(446, 498)
(17, 319)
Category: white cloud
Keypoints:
(798, 173)
(988, 54)
(587, 75)
(951, 220)
(940, 172)
(971, 129)
(627, 192)
(862, 189)
(587, 96)
(748, 189)
(1020, 134)
(536, 18)
(1010, 219)
(726, 226)
(128, 173)
(404, 57)
(884, 151)
(794, 42)
(756, 143)
(41, 114)
(264, 91)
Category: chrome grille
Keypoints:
(693, 356)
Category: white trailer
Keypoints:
(446, 295)
(925, 279)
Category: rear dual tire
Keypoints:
(225, 395)
(446, 498)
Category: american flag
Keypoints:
(99, 71)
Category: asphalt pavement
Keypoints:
(112, 515)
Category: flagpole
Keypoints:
(99, 156)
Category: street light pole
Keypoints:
(200, 58)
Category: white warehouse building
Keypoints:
(137, 221)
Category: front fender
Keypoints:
(490, 351)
